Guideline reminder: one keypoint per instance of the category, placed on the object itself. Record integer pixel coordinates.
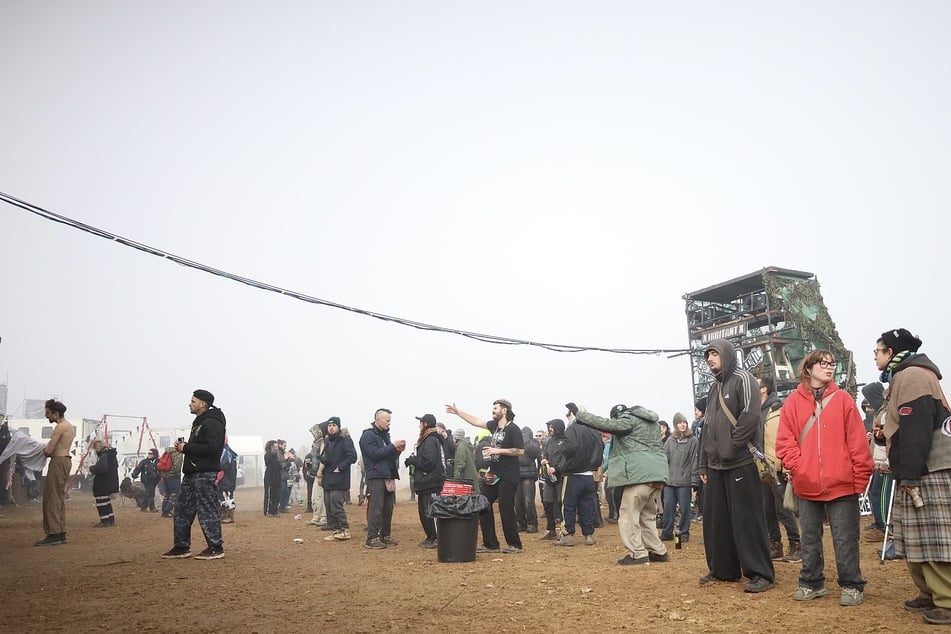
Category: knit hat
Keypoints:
(459, 434)
(204, 395)
(335, 420)
(679, 418)
(701, 404)
(428, 419)
(900, 340)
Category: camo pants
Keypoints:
(198, 495)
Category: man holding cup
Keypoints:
(503, 477)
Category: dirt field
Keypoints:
(114, 580)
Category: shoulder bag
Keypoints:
(764, 467)
(790, 501)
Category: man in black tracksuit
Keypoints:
(201, 461)
(734, 527)
(577, 457)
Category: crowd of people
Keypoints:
(749, 467)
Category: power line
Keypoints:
(101, 233)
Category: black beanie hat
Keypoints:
(701, 404)
(900, 340)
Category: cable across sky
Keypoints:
(101, 233)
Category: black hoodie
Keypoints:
(723, 446)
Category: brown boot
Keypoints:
(795, 553)
(775, 549)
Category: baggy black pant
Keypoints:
(734, 525)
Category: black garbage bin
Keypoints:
(457, 525)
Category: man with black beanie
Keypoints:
(201, 461)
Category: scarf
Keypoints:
(427, 432)
(889, 370)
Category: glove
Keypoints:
(572, 408)
(410, 460)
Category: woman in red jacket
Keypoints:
(822, 443)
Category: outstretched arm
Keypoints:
(469, 418)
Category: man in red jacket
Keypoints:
(822, 442)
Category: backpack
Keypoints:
(165, 463)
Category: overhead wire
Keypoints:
(494, 339)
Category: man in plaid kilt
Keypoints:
(918, 437)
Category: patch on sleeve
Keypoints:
(905, 411)
(946, 426)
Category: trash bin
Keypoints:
(457, 525)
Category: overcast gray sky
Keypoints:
(559, 172)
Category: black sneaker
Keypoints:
(758, 584)
(428, 544)
(549, 535)
(375, 544)
(709, 578)
(630, 560)
(212, 552)
(52, 540)
(486, 549)
(178, 553)
(512, 550)
(657, 558)
(389, 541)
(919, 604)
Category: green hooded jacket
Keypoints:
(637, 455)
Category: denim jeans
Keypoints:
(525, 512)
(672, 497)
(843, 515)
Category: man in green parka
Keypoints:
(637, 462)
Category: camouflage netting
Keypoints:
(801, 303)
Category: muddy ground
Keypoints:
(114, 580)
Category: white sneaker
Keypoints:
(342, 535)
(851, 596)
(805, 593)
